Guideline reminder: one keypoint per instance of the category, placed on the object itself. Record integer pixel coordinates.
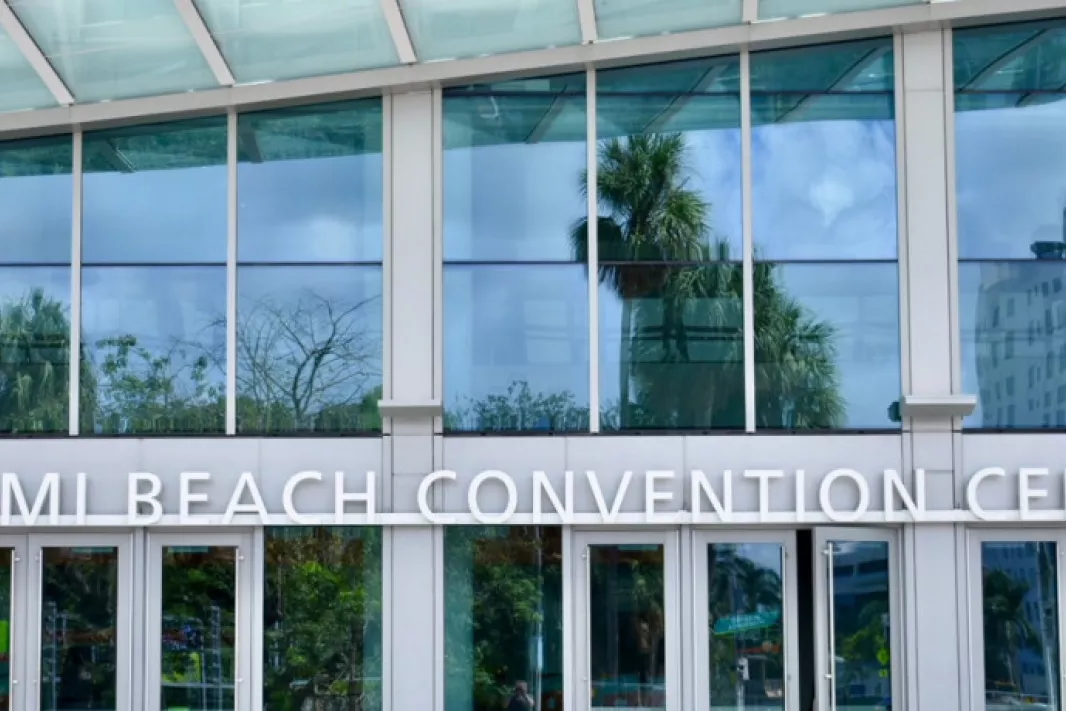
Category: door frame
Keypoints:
(825, 689)
(123, 545)
(156, 542)
(787, 540)
(19, 631)
(669, 539)
(975, 598)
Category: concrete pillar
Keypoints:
(411, 406)
(933, 573)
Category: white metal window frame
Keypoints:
(19, 632)
(579, 634)
(246, 629)
(700, 613)
(124, 623)
(975, 540)
(823, 605)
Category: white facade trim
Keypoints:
(586, 12)
(194, 21)
(748, 251)
(74, 377)
(231, 273)
(593, 237)
(401, 38)
(555, 60)
(11, 24)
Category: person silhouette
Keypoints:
(520, 699)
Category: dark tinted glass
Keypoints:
(36, 201)
(516, 347)
(309, 349)
(827, 345)
(514, 162)
(35, 336)
(322, 618)
(153, 350)
(672, 348)
(1013, 57)
(156, 194)
(310, 184)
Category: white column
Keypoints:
(931, 624)
(411, 408)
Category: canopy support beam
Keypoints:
(401, 38)
(194, 21)
(33, 54)
(586, 11)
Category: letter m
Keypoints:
(12, 489)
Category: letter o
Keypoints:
(827, 505)
(512, 497)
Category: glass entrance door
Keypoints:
(12, 613)
(197, 622)
(858, 631)
(80, 610)
(626, 621)
(745, 621)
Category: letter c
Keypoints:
(423, 491)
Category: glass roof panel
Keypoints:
(1028, 57)
(116, 49)
(23, 89)
(786, 9)
(452, 29)
(265, 40)
(865, 66)
(633, 18)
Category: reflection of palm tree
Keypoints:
(655, 220)
(1006, 629)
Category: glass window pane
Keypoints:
(782, 9)
(627, 626)
(745, 590)
(199, 628)
(36, 201)
(1013, 320)
(449, 29)
(116, 49)
(632, 18)
(280, 39)
(862, 625)
(533, 132)
(310, 184)
(1019, 595)
(670, 136)
(309, 349)
(1010, 168)
(1016, 57)
(35, 351)
(153, 350)
(79, 619)
(827, 345)
(7, 602)
(824, 165)
(503, 611)
(23, 88)
(672, 347)
(516, 347)
(156, 194)
(322, 618)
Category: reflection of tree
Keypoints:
(308, 364)
(323, 614)
(1006, 628)
(519, 409)
(503, 597)
(34, 364)
(656, 228)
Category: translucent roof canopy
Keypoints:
(59, 52)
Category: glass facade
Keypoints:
(1009, 100)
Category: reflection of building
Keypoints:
(1020, 332)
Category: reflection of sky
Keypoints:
(822, 190)
(1011, 178)
(35, 218)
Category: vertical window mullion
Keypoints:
(74, 377)
(748, 252)
(231, 273)
(593, 253)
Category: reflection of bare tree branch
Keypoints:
(315, 354)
